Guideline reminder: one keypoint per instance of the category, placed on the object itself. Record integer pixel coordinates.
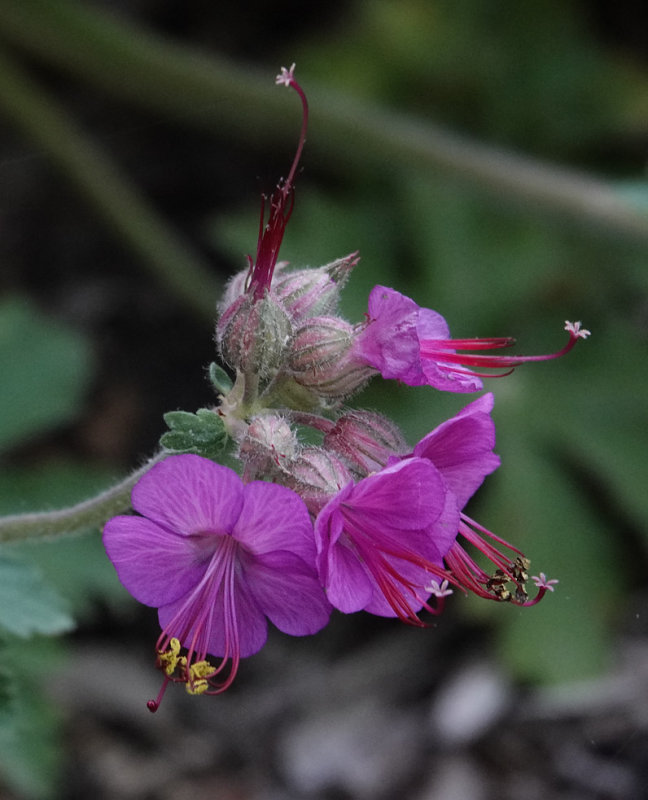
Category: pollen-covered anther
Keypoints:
(500, 584)
(195, 676)
(197, 681)
(168, 660)
(520, 569)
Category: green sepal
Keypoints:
(202, 433)
(219, 379)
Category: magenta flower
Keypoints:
(216, 557)
(381, 542)
(461, 448)
(405, 342)
(462, 451)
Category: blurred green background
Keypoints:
(486, 157)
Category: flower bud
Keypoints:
(234, 288)
(336, 381)
(269, 445)
(318, 343)
(313, 292)
(252, 334)
(319, 359)
(316, 475)
(366, 440)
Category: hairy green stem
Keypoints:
(137, 65)
(81, 517)
(172, 260)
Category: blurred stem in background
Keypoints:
(82, 517)
(173, 261)
(208, 92)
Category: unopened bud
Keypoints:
(234, 288)
(269, 445)
(318, 358)
(316, 475)
(365, 439)
(318, 343)
(313, 292)
(252, 334)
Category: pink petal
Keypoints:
(406, 495)
(462, 448)
(432, 326)
(288, 592)
(348, 587)
(274, 518)
(154, 564)
(232, 626)
(389, 342)
(190, 494)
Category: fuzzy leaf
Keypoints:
(219, 379)
(202, 433)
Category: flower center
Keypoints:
(194, 620)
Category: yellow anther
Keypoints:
(196, 682)
(197, 687)
(170, 658)
(201, 669)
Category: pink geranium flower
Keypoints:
(405, 342)
(462, 451)
(216, 557)
(381, 542)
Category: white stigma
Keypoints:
(575, 329)
(439, 591)
(286, 76)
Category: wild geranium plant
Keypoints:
(358, 520)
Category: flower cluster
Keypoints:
(357, 520)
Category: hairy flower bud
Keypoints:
(315, 291)
(234, 288)
(269, 445)
(318, 358)
(252, 334)
(366, 440)
(336, 381)
(318, 343)
(316, 475)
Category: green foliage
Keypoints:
(219, 379)
(46, 584)
(46, 369)
(75, 567)
(202, 433)
(27, 605)
(30, 758)
(39, 358)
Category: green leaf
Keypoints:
(27, 604)
(30, 735)
(44, 372)
(202, 433)
(219, 379)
